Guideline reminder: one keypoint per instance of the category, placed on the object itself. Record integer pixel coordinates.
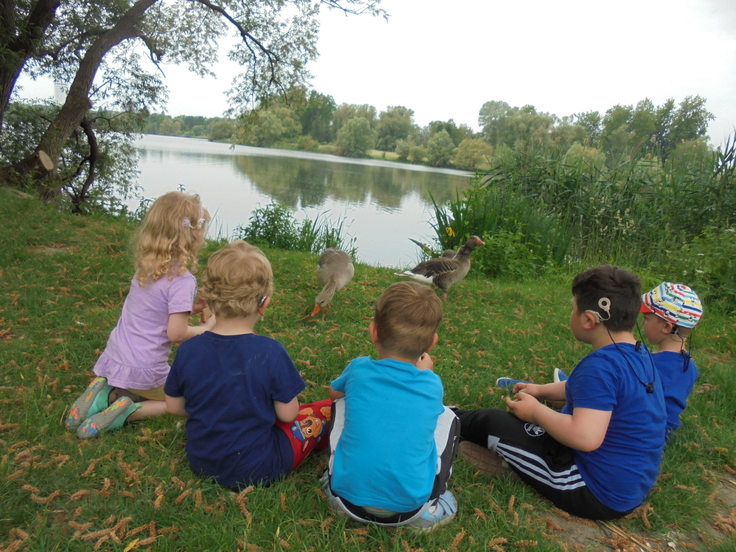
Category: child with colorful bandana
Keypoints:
(671, 312)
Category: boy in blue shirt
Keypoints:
(392, 441)
(599, 456)
(671, 312)
(239, 389)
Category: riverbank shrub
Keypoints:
(274, 226)
(521, 239)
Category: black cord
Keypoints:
(649, 386)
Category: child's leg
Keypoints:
(447, 438)
(94, 399)
(123, 409)
(538, 459)
(309, 431)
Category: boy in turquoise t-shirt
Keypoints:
(393, 442)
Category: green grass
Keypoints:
(58, 493)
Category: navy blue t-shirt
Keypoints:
(229, 383)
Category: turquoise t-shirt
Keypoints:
(386, 457)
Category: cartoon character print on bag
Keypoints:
(308, 426)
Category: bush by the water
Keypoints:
(542, 208)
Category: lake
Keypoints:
(380, 203)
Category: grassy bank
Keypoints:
(62, 283)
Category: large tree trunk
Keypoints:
(74, 109)
(18, 42)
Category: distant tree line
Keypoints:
(309, 120)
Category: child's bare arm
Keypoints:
(584, 430)
(179, 330)
(334, 395)
(175, 406)
(287, 412)
(543, 392)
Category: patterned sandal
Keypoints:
(93, 400)
(113, 417)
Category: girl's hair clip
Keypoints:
(188, 224)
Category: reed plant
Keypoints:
(579, 210)
(63, 280)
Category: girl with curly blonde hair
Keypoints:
(133, 368)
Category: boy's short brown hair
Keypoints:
(407, 316)
(621, 287)
(238, 277)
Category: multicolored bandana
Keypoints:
(675, 303)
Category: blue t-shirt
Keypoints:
(622, 471)
(230, 383)
(678, 375)
(386, 456)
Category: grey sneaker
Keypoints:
(441, 511)
(484, 460)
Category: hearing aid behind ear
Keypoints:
(604, 303)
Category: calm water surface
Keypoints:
(380, 203)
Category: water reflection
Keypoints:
(382, 203)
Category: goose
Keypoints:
(447, 253)
(334, 272)
(443, 271)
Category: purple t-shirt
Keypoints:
(137, 352)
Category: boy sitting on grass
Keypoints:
(393, 442)
(671, 312)
(599, 456)
(239, 389)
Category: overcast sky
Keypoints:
(445, 60)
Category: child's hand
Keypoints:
(199, 305)
(523, 406)
(209, 323)
(529, 388)
(425, 362)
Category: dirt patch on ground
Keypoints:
(578, 534)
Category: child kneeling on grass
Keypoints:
(239, 389)
(599, 456)
(671, 312)
(393, 442)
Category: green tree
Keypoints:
(402, 149)
(457, 133)
(169, 127)
(356, 137)
(221, 130)
(440, 149)
(345, 112)
(393, 124)
(472, 153)
(266, 127)
(100, 152)
(417, 154)
(592, 122)
(91, 45)
(491, 118)
(318, 116)
(514, 126)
